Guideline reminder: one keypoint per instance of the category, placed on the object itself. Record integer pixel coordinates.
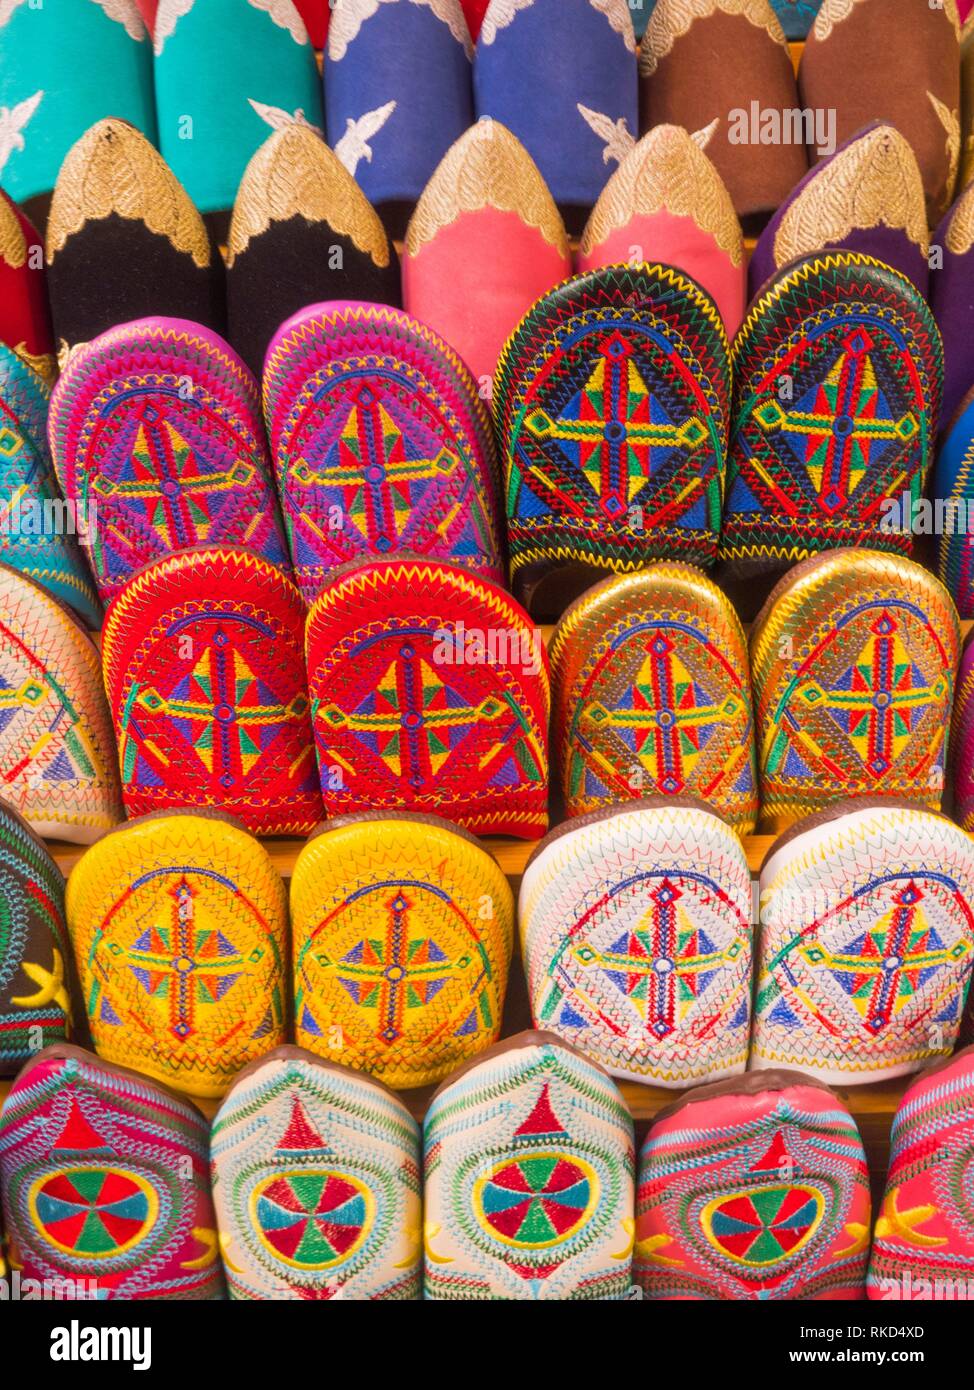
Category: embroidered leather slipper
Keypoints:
(206, 681)
(380, 443)
(268, 78)
(398, 92)
(57, 753)
(64, 68)
(612, 404)
(37, 529)
(710, 65)
(952, 300)
(430, 693)
(528, 1178)
(116, 204)
(853, 660)
(837, 387)
(867, 198)
(302, 231)
(36, 974)
(317, 1186)
(867, 942)
(157, 435)
(962, 740)
(562, 75)
(179, 927)
(666, 202)
(923, 1244)
(25, 318)
(953, 507)
(754, 1189)
(917, 90)
(636, 939)
(402, 928)
(105, 1180)
(652, 696)
(484, 243)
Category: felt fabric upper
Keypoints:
(397, 94)
(64, 68)
(561, 75)
(268, 77)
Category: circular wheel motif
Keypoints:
(93, 1212)
(312, 1218)
(764, 1226)
(536, 1201)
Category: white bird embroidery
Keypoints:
(285, 16)
(13, 120)
(167, 16)
(615, 135)
(277, 118)
(704, 136)
(353, 146)
(501, 13)
(125, 12)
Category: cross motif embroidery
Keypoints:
(834, 438)
(376, 474)
(612, 424)
(666, 716)
(882, 970)
(167, 480)
(663, 964)
(880, 699)
(189, 963)
(397, 971)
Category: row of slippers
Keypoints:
(316, 1182)
(625, 438)
(421, 687)
(402, 83)
(484, 241)
(817, 428)
(394, 954)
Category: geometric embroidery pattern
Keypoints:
(837, 387)
(529, 1179)
(179, 925)
(612, 400)
(853, 661)
(652, 695)
(429, 693)
(872, 982)
(380, 445)
(105, 1178)
(754, 1195)
(204, 668)
(637, 942)
(402, 932)
(156, 427)
(34, 536)
(57, 752)
(316, 1184)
